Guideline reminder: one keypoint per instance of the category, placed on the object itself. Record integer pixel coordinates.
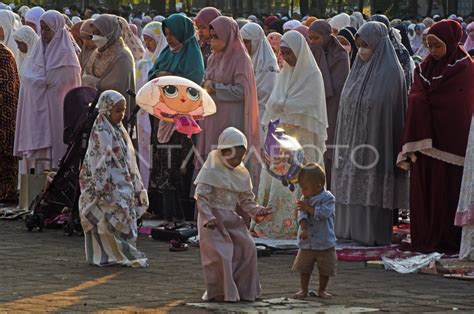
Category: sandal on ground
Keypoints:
(177, 246)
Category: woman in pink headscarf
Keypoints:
(275, 39)
(53, 71)
(203, 20)
(231, 82)
(303, 30)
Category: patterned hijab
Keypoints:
(402, 53)
(107, 102)
(110, 172)
(131, 40)
(366, 86)
(275, 39)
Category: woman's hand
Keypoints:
(209, 86)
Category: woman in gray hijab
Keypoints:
(365, 180)
(402, 52)
(111, 65)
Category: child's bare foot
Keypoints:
(324, 295)
(300, 295)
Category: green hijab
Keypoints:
(187, 62)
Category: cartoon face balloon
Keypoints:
(283, 155)
(176, 99)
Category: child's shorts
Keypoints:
(326, 260)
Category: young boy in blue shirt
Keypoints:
(317, 240)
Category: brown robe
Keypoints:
(9, 89)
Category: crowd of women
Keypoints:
(386, 107)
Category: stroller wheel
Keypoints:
(69, 228)
(40, 218)
(29, 222)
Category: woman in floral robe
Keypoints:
(112, 194)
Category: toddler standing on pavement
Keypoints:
(317, 240)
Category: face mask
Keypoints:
(99, 41)
(365, 54)
(347, 48)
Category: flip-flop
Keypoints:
(177, 246)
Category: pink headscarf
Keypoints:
(206, 16)
(60, 51)
(275, 40)
(134, 29)
(469, 44)
(234, 66)
(303, 30)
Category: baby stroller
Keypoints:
(58, 203)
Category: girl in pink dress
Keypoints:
(228, 254)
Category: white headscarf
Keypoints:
(10, 25)
(291, 25)
(412, 28)
(27, 35)
(298, 97)
(33, 16)
(340, 21)
(159, 18)
(357, 20)
(215, 173)
(416, 41)
(264, 61)
(153, 30)
(75, 19)
(22, 10)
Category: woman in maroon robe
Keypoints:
(436, 131)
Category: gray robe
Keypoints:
(365, 180)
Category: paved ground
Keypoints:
(47, 272)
